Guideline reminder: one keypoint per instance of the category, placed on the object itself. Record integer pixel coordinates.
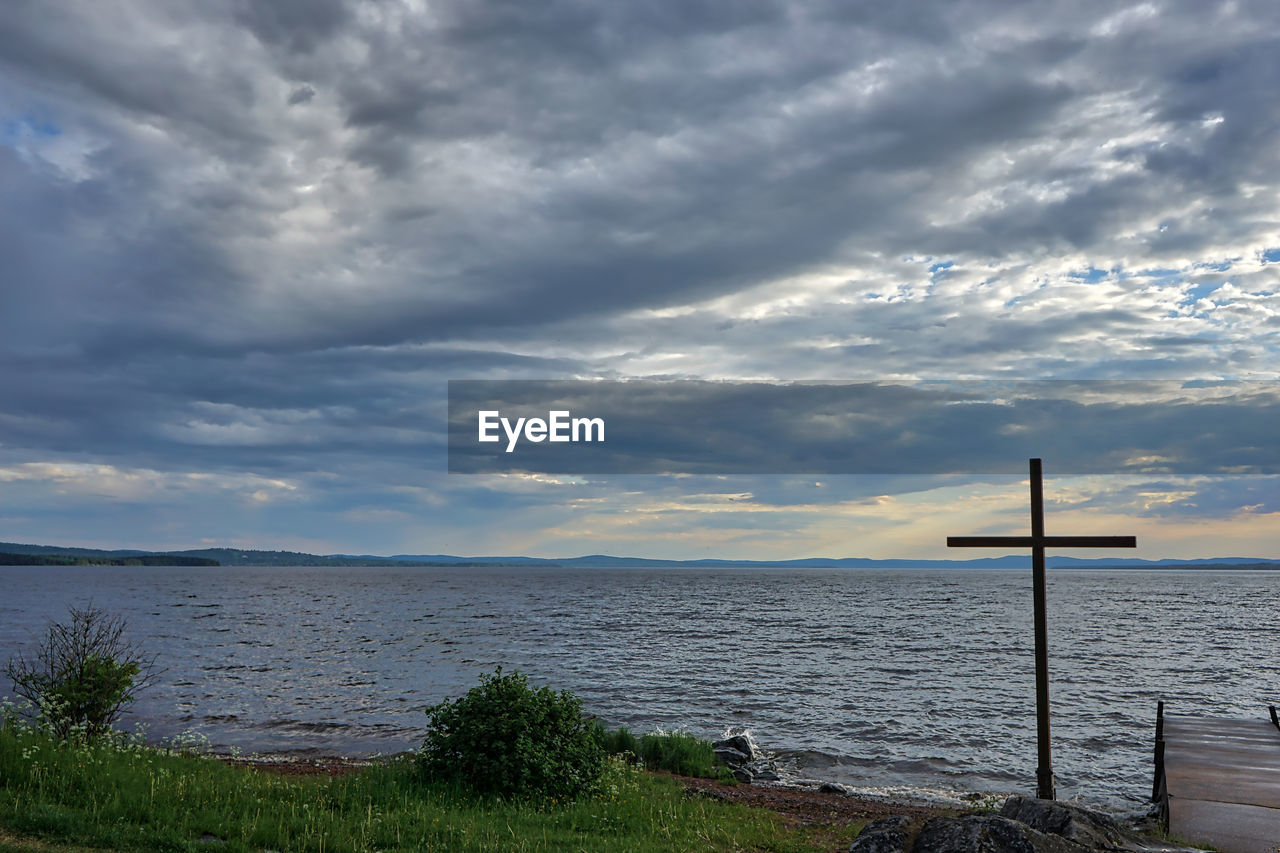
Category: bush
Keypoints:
(83, 673)
(505, 739)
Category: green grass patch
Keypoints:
(680, 753)
(619, 741)
(676, 752)
(114, 794)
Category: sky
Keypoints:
(245, 245)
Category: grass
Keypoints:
(122, 795)
(680, 753)
(676, 752)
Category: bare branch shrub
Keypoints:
(83, 672)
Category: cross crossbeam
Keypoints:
(1038, 542)
(1042, 541)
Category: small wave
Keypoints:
(912, 794)
(301, 726)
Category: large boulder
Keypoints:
(730, 756)
(1024, 825)
(987, 834)
(1086, 828)
(740, 744)
(886, 835)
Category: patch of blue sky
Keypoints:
(941, 267)
(1089, 276)
(27, 127)
(1196, 292)
(1221, 383)
(1270, 256)
(1219, 266)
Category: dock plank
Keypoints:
(1222, 782)
(1229, 827)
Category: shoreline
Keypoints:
(800, 805)
(874, 798)
(808, 802)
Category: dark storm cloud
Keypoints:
(270, 413)
(297, 25)
(301, 95)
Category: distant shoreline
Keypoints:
(163, 561)
(58, 555)
(69, 560)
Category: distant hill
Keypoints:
(92, 560)
(1012, 561)
(46, 555)
(16, 548)
(250, 557)
(236, 557)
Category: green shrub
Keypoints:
(508, 740)
(82, 674)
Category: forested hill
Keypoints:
(83, 560)
(234, 557)
(18, 554)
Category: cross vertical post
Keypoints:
(1044, 760)
(1037, 542)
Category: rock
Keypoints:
(886, 835)
(1071, 822)
(740, 742)
(1086, 828)
(987, 834)
(745, 760)
(731, 756)
(1024, 825)
(835, 788)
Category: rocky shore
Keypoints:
(752, 765)
(1022, 824)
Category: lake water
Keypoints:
(871, 678)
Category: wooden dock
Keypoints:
(1218, 781)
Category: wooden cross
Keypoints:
(1037, 542)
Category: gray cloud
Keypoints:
(301, 95)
